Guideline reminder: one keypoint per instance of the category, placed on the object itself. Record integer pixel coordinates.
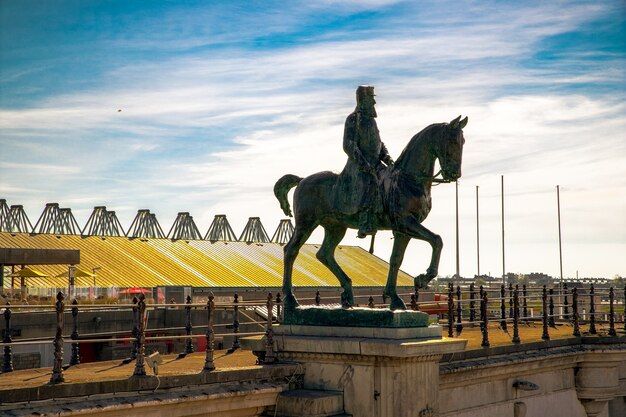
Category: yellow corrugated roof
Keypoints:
(128, 262)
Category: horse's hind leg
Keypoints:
(300, 235)
(400, 242)
(326, 254)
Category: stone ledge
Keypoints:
(354, 317)
(398, 333)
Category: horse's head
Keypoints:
(449, 149)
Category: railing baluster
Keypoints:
(75, 359)
(188, 328)
(485, 320)
(612, 331)
(269, 333)
(7, 363)
(279, 303)
(565, 303)
(370, 302)
(140, 368)
(502, 307)
(516, 339)
(413, 303)
(592, 311)
(209, 363)
(417, 299)
(135, 331)
(459, 312)
(551, 308)
(450, 310)
(481, 294)
(472, 304)
(525, 304)
(544, 314)
(318, 299)
(235, 345)
(510, 299)
(576, 317)
(57, 369)
(624, 315)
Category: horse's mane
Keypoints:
(424, 135)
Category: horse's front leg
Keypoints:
(410, 226)
(400, 242)
(300, 235)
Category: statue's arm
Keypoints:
(384, 155)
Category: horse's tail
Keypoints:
(281, 189)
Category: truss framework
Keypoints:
(102, 222)
(184, 228)
(254, 232)
(57, 221)
(220, 230)
(145, 225)
(283, 232)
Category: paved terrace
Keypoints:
(115, 377)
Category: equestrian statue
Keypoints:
(372, 193)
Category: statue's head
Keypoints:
(450, 152)
(365, 100)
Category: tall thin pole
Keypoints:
(502, 194)
(477, 237)
(558, 207)
(458, 267)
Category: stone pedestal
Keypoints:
(382, 372)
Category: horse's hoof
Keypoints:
(290, 302)
(397, 304)
(421, 281)
(347, 299)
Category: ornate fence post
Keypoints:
(7, 363)
(624, 316)
(384, 298)
(459, 311)
(57, 369)
(510, 299)
(413, 303)
(516, 338)
(551, 308)
(370, 302)
(450, 310)
(502, 307)
(188, 327)
(472, 304)
(140, 368)
(135, 331)
(485, 320)
(417, 299)
(318, 299)
(75, 359)
(235, 345)
(565, 303)
(481, 294)
(576, 317)
(612, 331)
(592, 311)
(269, 333)
(209, 364)
(279, 303)
(544, 314)
(524, 304)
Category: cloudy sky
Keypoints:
(201, 106)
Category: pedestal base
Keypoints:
(392, 376)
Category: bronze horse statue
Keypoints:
(405, 191)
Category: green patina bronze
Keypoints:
(355, 317)
(372, 193)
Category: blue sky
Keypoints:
(219, 99)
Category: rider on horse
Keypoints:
(359, 179)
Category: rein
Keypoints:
(433, 179)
